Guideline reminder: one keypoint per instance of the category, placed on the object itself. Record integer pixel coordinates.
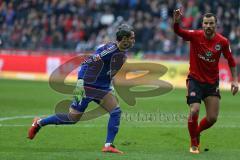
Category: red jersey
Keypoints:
(205, 54)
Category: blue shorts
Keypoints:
(94, 94)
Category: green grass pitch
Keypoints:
(154, 129)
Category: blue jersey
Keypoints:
(99, 69)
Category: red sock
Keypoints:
(203, 125)
(192, 128)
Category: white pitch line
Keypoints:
(32, 116)
(138, 125)
(74, 126)
(19, 117)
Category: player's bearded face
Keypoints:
(128, 42)
(209, 25)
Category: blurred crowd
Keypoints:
(81, 25)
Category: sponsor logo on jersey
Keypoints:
(208, 54)
(207, 57)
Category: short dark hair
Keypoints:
(123, 30)
(208, 15)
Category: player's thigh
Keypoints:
(212, 107)
(211, 90)
(109, 102)
(194, 92)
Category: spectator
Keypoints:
(80, 24)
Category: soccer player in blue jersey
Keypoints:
(94, 84)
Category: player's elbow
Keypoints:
(231, 61)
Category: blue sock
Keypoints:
(56, 119)
(113, 124)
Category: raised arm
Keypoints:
(185, 34)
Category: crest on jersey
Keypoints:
(193, 94)
(96, 57)
(218, 47)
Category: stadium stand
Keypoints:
(79, 25)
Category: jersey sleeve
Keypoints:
(102, 54)
(228, 54)
(108, 49)
(187, 35)
(82, 71)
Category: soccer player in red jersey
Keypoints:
(206, 47)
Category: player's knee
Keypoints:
(194, 111)
(75, 117)
(212, 119)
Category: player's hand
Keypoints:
(79, 92)
(177, 15)
(234, 87)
